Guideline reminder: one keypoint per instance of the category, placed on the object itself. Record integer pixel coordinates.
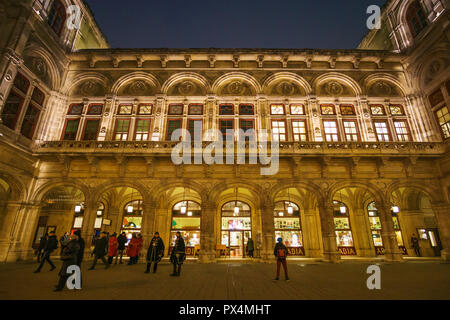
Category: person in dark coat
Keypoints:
(50, 246)
(64, 240)
(250, 247)
(100, 250)
(40, 250)
(178, 255)
(69, 258)
(155, 252)
(281, 252)
(415, 244)
(121, 240)
(80, 255)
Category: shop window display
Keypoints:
(236, 227)
(375, 228)
(186, 218)
(343, 229)
(132, 218)
(288, 227)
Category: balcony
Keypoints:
(164, 148)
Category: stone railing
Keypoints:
(139, 148)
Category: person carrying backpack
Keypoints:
(281, 252)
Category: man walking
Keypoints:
(100, 249)
(178, 255)
(41, 248)
(51, 245)
(121, 240)
(281, 253)
(415, 244)
(155, 252)
(69, 258)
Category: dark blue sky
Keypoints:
(321, 24)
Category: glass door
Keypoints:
(236, 244)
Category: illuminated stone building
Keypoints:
(364, 152)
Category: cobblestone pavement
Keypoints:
(410, 280)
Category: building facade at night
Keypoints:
(363, 138)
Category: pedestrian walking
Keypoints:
(69, 258)
(100, 250)
(80, 255)
(112, 247)
(121, 240)
(51, 245)
(281, 252)
(250, 247)
(41, 247)
(64, 240)
(178, 255)
(132, 249)
(155, 252)
(415, 244)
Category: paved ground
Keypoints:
(230, 281)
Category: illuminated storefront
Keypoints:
(186, 218)
(343, 229)
(236, 227)
(132, 218)
(288, 227)
(78, 217)
(375, 228)
(398, 232)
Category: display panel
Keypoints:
(290, 238)
(132, 222)
(344, 238)
(179, 223)
(236, 223)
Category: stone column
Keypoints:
(268, 231)
(314, 119)
(311, 234)
(391, 250)
(7, 219)
(20, 222)
(330, 251)
(362, 233)
(148, 223)
(106, 123)
(87, 230)
(367, 129)
(207, 235)
(442, 213)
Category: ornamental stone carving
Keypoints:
(334, 88)
(139, 88)
(187, 88)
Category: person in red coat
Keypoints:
(112, 245)
(140, 245)
(132, 250)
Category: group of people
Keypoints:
(72, 251)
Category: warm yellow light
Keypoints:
(395, 209)
(77, 208)
(130, 209)
(290, 209)
(343, 209)
(236, 210)
(183, 209)
(190, 213)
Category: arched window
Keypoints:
(186, 218)
(236, 227)
(415, 16)
(288, 227)
(57, 17)
(343, 229)
(375, 228)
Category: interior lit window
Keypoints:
(279, 130)
(443, 117)
(351, 131)
(416, 18)
(331, 131)
(299, 130)
(382, 131)
(401, 129)
(57, 16)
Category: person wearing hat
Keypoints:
(155, 252)
(100, 250)
(112, 247)
(281, 252)
(50, 246)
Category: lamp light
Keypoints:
(130, 209)
(236, 209)
(395, 209)
(77, 208)
(343, 209)
(290, 209)
(281, 213)
(190, 214)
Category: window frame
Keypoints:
(65, 126)
(305, 121)
(296, 105)
(247, 104)
(385, 121)
(136, 127)
(227, 104)
(85, 126)
(408, 131)
(285, 128)
(358, 134)
(337, 129)
(121, 134)
(277, 105)
(167, 126)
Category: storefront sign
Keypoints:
(347, 251)
(296, 251)
(190, 251)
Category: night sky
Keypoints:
(318, 24)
